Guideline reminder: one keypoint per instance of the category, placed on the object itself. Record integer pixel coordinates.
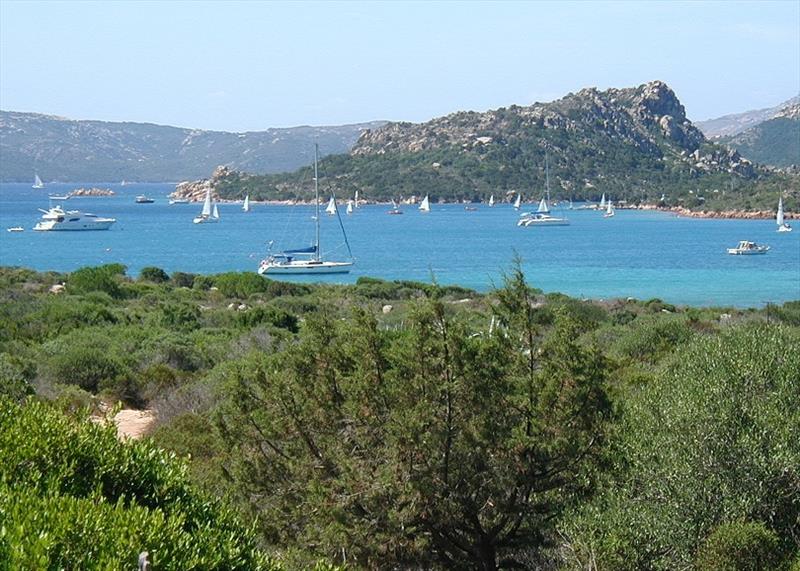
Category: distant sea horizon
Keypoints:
(640, 254)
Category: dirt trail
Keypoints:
(133, 423)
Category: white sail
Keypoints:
(215, 213)
(603, 201)
(779, 217)
(246, 205)
(425, 206)
(349, 207)
(206, 212)
(609, 208)
(355, 200)
(331, 208)
(491, 200)
(37, 182)
(570, 204)
(518, 201)
(543, 209)
(394, 204)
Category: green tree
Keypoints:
(425, 447)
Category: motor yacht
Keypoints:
(56, 218)
(747, 248)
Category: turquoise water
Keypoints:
(637, 253)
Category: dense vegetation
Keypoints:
(394, 425)
(504, 171)
(774, 142)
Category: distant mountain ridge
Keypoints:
(635, 144)
(72, 150)
(774, 141)
(733, 124)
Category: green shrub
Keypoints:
(183, 279)
(84, 366)
(100, 278)
(74, 497)
(240, 285)
(153, 274)
(268, 315)
(13, 382)
(739, 547)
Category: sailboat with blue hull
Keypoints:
(308, 260)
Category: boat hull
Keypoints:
(72, 227)
(526, 223)
(303, 267)
(737, 252)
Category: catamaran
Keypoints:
(37, 182)
(210, 213)
(246, 205)
(425, 206)
(286, 262)
(542, 215)
(782, 226)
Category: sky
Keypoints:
(248, 66)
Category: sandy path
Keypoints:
(133, 423)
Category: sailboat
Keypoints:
(782, 226)
(603, 202)
(609, 209)
(349, 207)
(355, 200)
(542, 215)
(491, 200)
(210, 213)
(37, 182)
(395, 209)
(425, 205)
(285, 262)
(246, 205)
(330, 210)
(518, 201)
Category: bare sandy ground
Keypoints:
(133, 423)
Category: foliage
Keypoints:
(432, 446)
(73, 496)
(711, 440)
(739, 547)
(153, 274)
(100, 278)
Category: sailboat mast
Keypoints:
(547, 175)
(316, 198)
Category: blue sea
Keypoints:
(641, 254)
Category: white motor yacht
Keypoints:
(56, 218)
(747, 248)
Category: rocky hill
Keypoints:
(66, 150)
(634, 144)
(774, 142)
(731, 125)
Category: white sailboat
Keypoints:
(355, 200)
(491, 200)
(518, 201)
(542, 215)
(330, 210)
(609, 209)
(603, 202)
(210, 212)
(349, 207)
(311, 262)
(37, 182)
(425, 206)
(395, 208)
(246, 205)
(782, 226)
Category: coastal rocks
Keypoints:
(92, 192)
(196, 191)
(739, 214)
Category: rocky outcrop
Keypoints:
(649, 118)
(92, 192)
(196, 191)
